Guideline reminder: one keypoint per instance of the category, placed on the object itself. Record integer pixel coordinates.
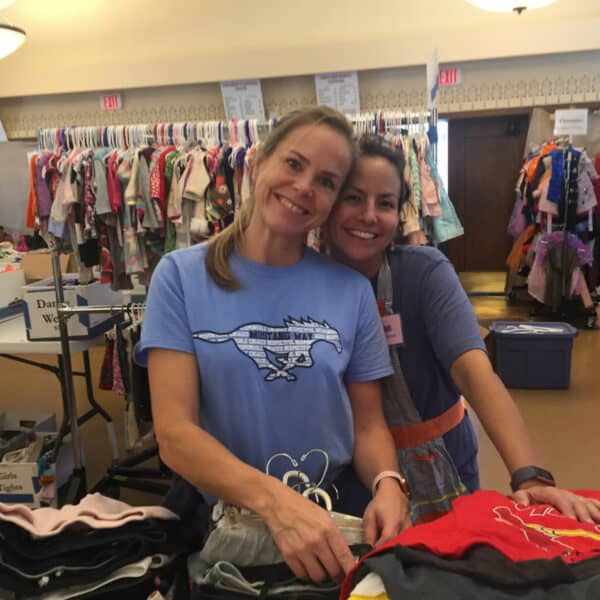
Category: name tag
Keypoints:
(392, 327)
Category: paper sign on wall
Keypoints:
(243, 99)
(571, 121)
(339, 90)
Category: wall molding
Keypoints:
(487, 85)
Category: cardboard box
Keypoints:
(19, 482)
(11, 293)
(37, 264)
(41, 319)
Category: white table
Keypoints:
(14, 342)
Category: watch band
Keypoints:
(394, 475)
(530, 472)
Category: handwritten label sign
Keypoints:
(392, 327)
(571, 121)
(339, 90)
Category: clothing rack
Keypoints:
(235, 130)
(566, 179)
(243, 130)
(123, 473)
(393, 121)
(567, 229)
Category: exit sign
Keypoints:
(450, 76)
(111, 102)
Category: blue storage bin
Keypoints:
(533, 355)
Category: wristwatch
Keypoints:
(394, 475)
(531, 472)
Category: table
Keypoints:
(13, 342)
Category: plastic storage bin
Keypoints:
(533, 355)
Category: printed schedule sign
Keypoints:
(339, 90)
(243, 99)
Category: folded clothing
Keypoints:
(95, 510)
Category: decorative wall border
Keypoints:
(521, 93)
(22, 117)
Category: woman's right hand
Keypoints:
(308, 539)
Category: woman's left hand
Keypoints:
(386, 515)
(586, 510)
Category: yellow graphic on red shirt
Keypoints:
(551, 531)
(540, 536)
(547, 538)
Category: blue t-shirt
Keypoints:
(273, 355)
(439, 325)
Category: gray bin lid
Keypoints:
(533, 329)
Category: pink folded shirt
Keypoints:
(94, 510)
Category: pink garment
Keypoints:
(94, 510)
(115, 193)
(117, 384)
(155, 176)
(430, 204)
(536, 282)
(577, 282)
(545, 205)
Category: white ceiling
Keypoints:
(215, 24)
(130, 43)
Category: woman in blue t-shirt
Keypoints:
(442, 355)
(258, 347)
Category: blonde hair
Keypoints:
(221, 247)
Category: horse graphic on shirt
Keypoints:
(290, 345)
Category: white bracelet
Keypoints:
(394, 475)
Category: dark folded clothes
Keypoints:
(418, 581)
(72, 558)
(484, 566)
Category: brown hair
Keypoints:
(375, 146)
(221, 246)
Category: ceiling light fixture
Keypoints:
(10, 39)
(517, 6)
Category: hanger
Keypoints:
(300, 475)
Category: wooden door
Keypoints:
(484, 158)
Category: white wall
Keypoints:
(77, 46)
(14, 184)
(521, 82)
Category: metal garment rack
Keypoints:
(78, 485)
(125, 136)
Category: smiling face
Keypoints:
(364, 221)
(297, 184)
